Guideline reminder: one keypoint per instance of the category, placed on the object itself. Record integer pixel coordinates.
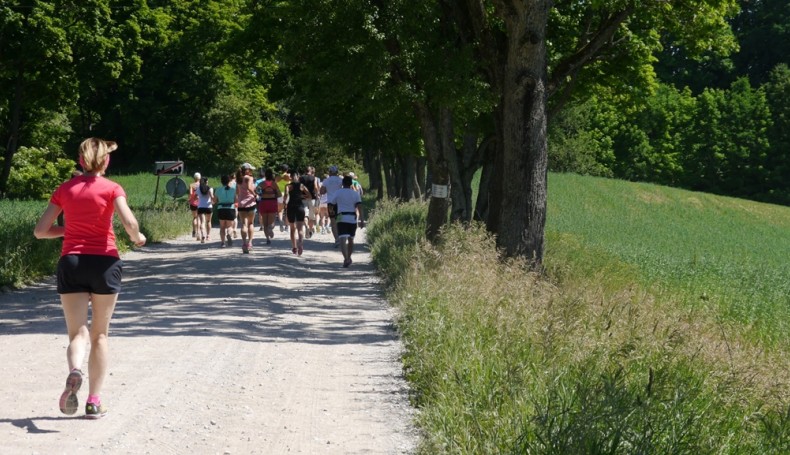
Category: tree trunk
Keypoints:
(482, 207)
(408, 170)
(12, 145)
(438, 139)
(496, 183)
(372, 164)
(421, 178)
(524, 147)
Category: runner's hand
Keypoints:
(141, 240)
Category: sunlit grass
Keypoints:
(725, 254)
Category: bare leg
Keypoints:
(293, 237)
(103, 306)
(269, 225)
(195, 223)
(75, 310)
(300, 234)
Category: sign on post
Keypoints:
(169, 168)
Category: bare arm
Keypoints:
(44, 228)
(129, 221)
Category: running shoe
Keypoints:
(299, 250)
(230, 242)
(95, 411)
(282, 228)
(293, 250)
(346, 263)
(68, 399)
(245, 249)
(268, 241)
(234, 234)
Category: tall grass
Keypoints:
(591, 358)
(25, 259)
(22, 257)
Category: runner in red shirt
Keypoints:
(90, 269)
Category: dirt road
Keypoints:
(215, 352)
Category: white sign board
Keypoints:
(440, 191)
(169, 168)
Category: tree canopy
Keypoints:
(425, 94)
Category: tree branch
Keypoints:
(586, 52)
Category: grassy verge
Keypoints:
(24, 259)
(589, 359)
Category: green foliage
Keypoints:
(23, 258)
(777, 163)
(662, 129)
(37, 172)
(395, 232)
(728, 141)
(578, 141)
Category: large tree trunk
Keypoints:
(524, 147)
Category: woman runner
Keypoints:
(268, 205)
(245, 195)
(295, 211)
(89, 270)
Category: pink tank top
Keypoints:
(246, 197)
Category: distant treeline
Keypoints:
(733, 141)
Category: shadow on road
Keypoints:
(190, 289)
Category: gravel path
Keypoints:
(212, 352)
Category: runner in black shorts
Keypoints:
(90, 269)
(295, 211)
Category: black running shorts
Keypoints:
(226, 214)
(346, 230)
(89, 273)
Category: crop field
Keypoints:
(730, 254)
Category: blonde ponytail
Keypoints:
(95, 153)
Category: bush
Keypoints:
(36, 172)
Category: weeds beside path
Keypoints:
(213, 351)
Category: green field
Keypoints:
(730, 254)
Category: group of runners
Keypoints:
(302, 204)
(89, 271)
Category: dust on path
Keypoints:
(213, 351)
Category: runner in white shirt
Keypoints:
(330, 185)
(346, 203)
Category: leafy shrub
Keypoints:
(36, 173)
